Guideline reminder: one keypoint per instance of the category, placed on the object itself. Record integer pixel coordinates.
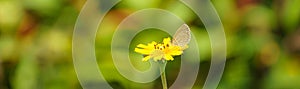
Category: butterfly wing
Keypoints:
(182, 36)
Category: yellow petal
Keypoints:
(146, 58)
(142, 46)
(169, 57)
(142, 51)
(184, 47)
(167, 40)
(175, 53)
(152, 43)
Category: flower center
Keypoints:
(157, 54)
(160, 46)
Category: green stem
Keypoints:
(163, 76)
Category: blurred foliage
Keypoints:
(263, 43)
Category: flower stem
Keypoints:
(163, 76)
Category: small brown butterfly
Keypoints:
(182, 36)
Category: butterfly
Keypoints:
(182, 36)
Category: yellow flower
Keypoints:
(164, 51)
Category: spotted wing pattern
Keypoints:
(182, 36)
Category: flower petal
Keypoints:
(152, 43)
(146, 58)
(184, 47)
(175, 53)
(142, 46)
(169, 57)
(167, 40)
(143, 51)
(156, 51)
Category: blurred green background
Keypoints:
(263, 43)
